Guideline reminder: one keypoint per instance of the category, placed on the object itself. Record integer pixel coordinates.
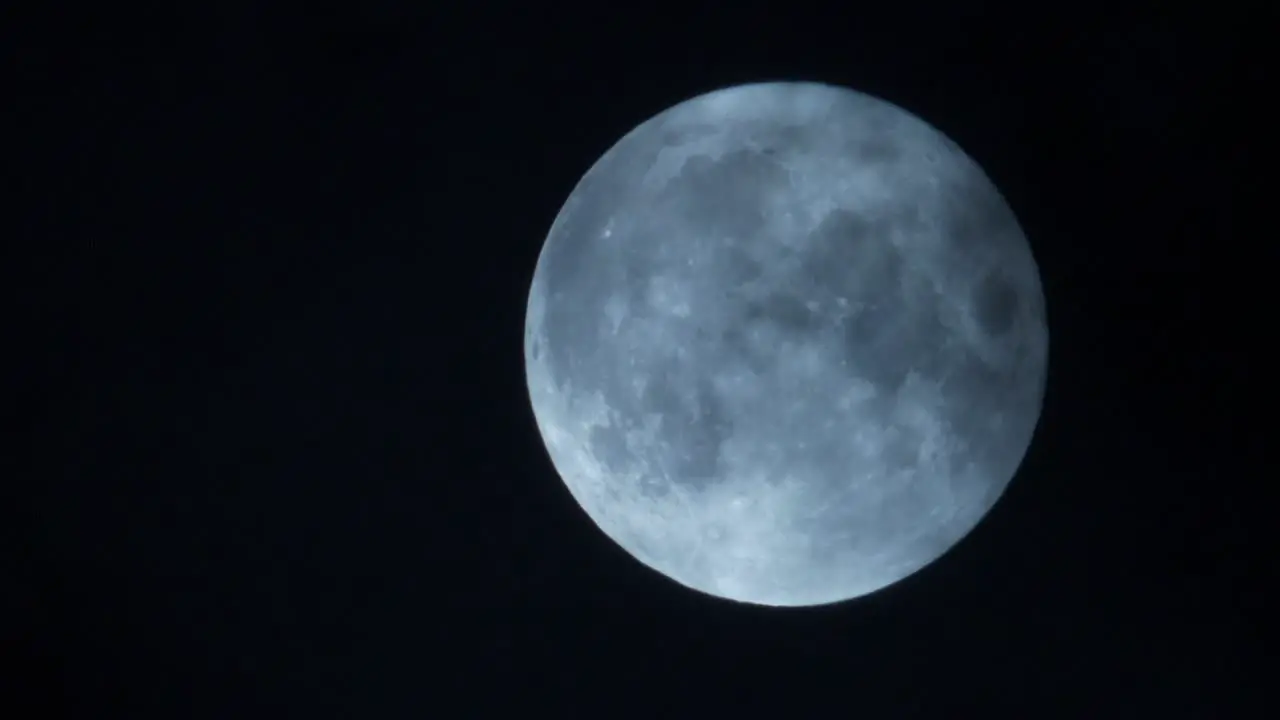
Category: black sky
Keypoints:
(276, 458)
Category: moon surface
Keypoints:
(786, 343)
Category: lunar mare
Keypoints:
(786, 343)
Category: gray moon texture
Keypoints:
(786, 343)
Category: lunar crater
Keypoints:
(995, 302)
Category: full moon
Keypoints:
(786, 343)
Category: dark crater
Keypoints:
(721, 197)
(694, 424)
(995, 303)
(851, 254)
(787, 312)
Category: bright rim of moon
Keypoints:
(786, 343)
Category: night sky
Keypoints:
(275, 453)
